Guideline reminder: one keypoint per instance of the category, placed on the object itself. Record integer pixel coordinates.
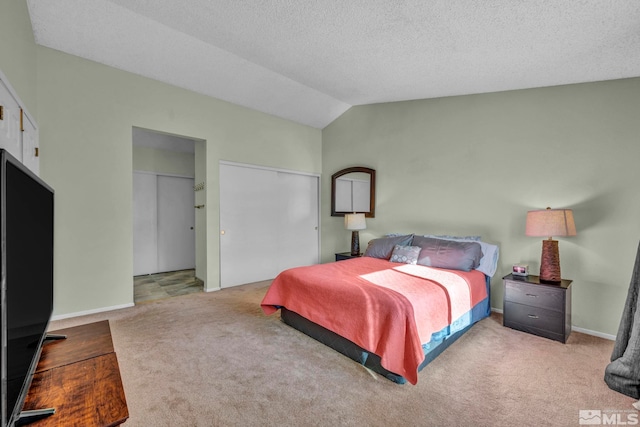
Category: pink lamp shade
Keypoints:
(548, 223)
(355, 222)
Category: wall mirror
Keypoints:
(353, 190)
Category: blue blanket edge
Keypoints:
(440, 340)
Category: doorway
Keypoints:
(166, 246)
(152, 287)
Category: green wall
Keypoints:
(163, 161)
(476, 164)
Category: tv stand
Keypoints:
(54, 337)
(79, 378)
(28, 417)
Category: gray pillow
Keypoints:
(448, 237)
(405, 254)
(383, 247)
(451, 254)
(490, 253)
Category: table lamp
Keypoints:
(355, 222)
(547, 223)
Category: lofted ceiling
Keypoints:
(310, 60)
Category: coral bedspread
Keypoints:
(387, 308)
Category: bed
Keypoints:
(393, 310)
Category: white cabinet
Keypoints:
(30, 149)
(10, 138)
(18, 130)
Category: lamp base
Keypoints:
(550, 261)
(355, 243)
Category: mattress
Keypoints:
(439, 342)
(397, 313)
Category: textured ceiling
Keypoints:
(309, 60)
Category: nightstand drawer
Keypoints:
(346, 255)
(540, 296)
(533, 317)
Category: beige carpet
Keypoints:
(214, 359)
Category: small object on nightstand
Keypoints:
(346, 255)
(538, 307)
(520, 270)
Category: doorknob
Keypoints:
(191, 228)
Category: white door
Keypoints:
(145, 224)
(268, 222)
(298, 220)
(163, 224)
(176, 224)
(248, 239)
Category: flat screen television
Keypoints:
(26, 272)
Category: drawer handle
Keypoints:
(532, 295)
(532, 316)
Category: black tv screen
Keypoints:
(27, 279)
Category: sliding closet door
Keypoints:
(163, 224)
(298, 220)
(268, 222)
(248, 212)
(145, 240)
(176, 224)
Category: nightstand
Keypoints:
(346, 255)
(536, 307)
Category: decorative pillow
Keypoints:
(405, 254)
(451, 254)
(490, 253)
(383, 246)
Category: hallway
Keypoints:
(152, 287)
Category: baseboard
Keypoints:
(577, 329)
(594, 333)
(97, 310)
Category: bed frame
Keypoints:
(441, 341)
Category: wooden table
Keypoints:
(79, 376)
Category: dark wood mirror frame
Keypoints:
(372, 190)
